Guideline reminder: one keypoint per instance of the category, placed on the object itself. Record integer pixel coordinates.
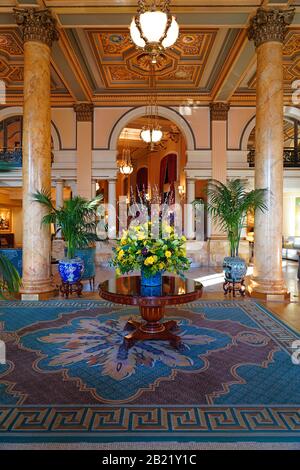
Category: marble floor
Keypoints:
(212, 280)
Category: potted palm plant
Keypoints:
(229, 205)
(77, 222)
(9, 277)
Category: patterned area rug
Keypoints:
(67, 377)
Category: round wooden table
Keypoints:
(151, 301)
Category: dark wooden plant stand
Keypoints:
(233, 287)
(69, 288)
(175, 291)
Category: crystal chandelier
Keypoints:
(151, 133)
(125, 166)
(154, 29)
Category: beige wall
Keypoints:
(65, 121)
(238, 118)
(104, 121)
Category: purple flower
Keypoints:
(144, 251)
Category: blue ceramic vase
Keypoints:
(70, 270)
(235, 268)
(151, 281)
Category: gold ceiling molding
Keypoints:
(37, 25)
(10, 43)
(122, 66)
(269, 25)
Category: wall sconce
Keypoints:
(181, 191)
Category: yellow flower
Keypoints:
(161, 266)
(149, 260)
(123, 241)
(168, 254)
(183, 238)
(168, 228)
(121, 254)
(118, 272)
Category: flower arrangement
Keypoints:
(136, 250)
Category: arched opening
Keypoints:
(291, 191)
(291, 152)
(11, 140)
(159, 168)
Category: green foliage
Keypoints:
(137, 250)
(10, 279)
(229, 204)
(76, 219)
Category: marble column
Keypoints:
(84, 117)
(112, 204)
(59, 193)
(267, 29)
(189, 209)
(218, 116)
(39, 31)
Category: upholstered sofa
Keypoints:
(290, 248)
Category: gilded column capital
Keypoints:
(84, 111)
(269, 25)
(219, 111)
(36, 25)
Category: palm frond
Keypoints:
(10, 277)
(229, 204)
(76, 219)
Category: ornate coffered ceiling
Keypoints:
(95, 61)
(291, 69)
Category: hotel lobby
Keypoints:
(149, 224)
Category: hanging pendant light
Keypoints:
(154, 29)
(151, 133)
(125, 166)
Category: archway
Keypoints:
(147, 160)
(18, 111)
(162, 112)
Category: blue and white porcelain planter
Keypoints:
(151, 281)
(235, 268)
(70, 270)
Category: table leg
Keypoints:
(152, 329)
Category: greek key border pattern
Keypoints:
(128, 420)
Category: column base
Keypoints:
(40, 296)
(268, 290)
(38, 292)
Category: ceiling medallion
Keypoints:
(154, 29)
(188, 39)
(144, 62)
(116, 38)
